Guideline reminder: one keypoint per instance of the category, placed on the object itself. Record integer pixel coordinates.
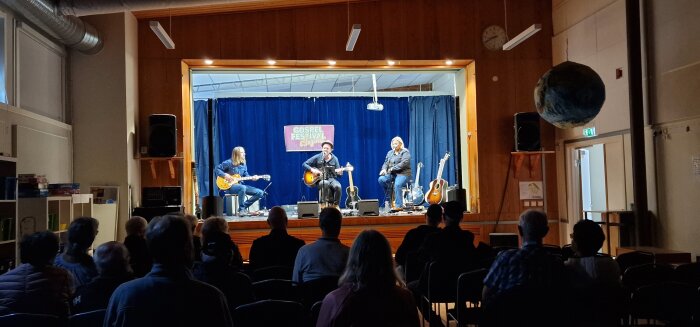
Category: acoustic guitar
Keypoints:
(436, 194)
(416, 196)
(310, 179)
(223, 184)
(352, 193)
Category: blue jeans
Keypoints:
(398, 181)
(243, 190)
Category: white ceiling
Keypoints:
(208, 84)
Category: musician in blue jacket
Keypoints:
(326, 167)
(233, 169)
(396, 170)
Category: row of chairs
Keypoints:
(85, 319)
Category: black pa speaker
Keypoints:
(457, 194)
(152, 197)
(162, 135)
(527, 131)
(308, 209)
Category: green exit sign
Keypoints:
(589, 132)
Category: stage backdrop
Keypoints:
(362, 138)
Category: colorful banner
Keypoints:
(307, 137)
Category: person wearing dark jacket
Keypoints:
(36, 286)
(75, 258)
(277, 248)
(415, 237)
(135, 242)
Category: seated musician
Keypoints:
(395, 172)
(326, 167)
(233, 169)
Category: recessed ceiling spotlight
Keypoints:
(271, 62)
(391, 62)
(448, 62)
(208, 61)
(331, 62)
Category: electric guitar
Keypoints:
(416, 194)
(310, 179)
(353, 197)
(437, 187)
(223, 184)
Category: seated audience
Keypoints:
(415, 237)
(36, 286)
(75, 258)
(214, 225)
(112, 261)
(168, 295)
(135, 242)
(595, 279)
(326, 256)
(369, 292)
(523, 280)
(196, 240)
(215, 269)
(277, 248)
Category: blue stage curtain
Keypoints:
(362, 137)
(201, 149)
(433, 133)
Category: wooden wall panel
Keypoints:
(396, 29)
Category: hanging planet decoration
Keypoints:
(569, 95)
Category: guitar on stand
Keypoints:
(415, 196)
(352, 192)
(436, 194)
(224, 185)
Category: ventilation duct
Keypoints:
(69, 30)
(95, 7)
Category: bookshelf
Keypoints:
(8, 213)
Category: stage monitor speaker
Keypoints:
(162, 135)
(503, 239)
(368, 207)
(527, 131)
(308, 209)
(459, 195)
(151, 212)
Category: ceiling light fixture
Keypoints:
(391, 62)
(271, 62)
(331, 62)
(448, 62)
(352, 38)
(530, 31)
(162, 34)
(208, 61)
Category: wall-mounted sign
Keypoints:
(589, 132)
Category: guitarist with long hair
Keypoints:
(396, 170)
(232, 170)
(325, 168)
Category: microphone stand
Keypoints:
(265, 197)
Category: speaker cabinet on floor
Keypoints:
(308, 209)
(162, 135)
(368, 207)
(527, 131)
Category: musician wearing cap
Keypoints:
(234, 171)
(395, 172)
(325, 168)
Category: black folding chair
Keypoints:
(275, 289)
(87, 319)
(31, 319)
(271, 272)
(270, 313)
(467, 308)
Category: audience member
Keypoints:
(594, 279)
(214, 225)
(215, 269)
(326, 256)
(415, 237)
(523, 280)
(196, 240)
(168, 295)
(277, 248)
(368, 294)
(36, 286)
(135, 242)
(75, 258)
(112, 261)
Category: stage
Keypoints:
(244, 230)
